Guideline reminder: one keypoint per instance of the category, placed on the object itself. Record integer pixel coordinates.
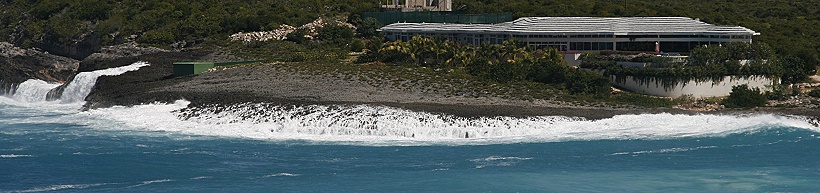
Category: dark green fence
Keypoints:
(437, 17)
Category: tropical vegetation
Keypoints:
(787, 47)
(785, 25)
(704, 63)
(509, 61)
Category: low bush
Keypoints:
(579, 81)
(744, 97)
(778, 92)
(815, 93)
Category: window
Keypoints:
(608, 46)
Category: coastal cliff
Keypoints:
(18, 65)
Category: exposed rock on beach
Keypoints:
(275, 83)
(18, 65)
(101, 59)
(286, 84)
(279, 83)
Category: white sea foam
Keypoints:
(78, 89)
(496, 158)
(378, 125)
(62, 186)
(33, 90)
(667, 150)
(369, 125)
(14, 156)
(280, 174)
(200, 177)
(28, 101)
(150, 182)
(498, 161)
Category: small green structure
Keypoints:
(188, 68)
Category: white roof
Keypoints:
(580, 25)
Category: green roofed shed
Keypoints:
(188, 68)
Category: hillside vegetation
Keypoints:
(30, 23)
(785, 25)
(75, 28)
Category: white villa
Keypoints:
(589, 34)
(660, 34)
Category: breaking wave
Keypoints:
(373, 125)
(34, 90)
(78, 89)
(379, 125)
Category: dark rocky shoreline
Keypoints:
(155, 83)
(266, 84)
(18, 65)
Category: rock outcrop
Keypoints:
(104, 59)
(101, 59)
(18, 65)
(78, 49)
(283, 31)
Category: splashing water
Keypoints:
(33, 90)
(379, 125)
(78, 89)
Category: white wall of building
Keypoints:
(694, 88)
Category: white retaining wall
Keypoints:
(696, 89)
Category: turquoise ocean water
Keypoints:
(52, 146)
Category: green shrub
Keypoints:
(778, 92)
(744, 97)
(644, 100)
(335, 34)
(367, 27)
(795, 70)
(156, 36)
(91, 10)
(356, 45)
(815, 93)
(297, 57)
(585, 82)
(46, 9)
(297, 36)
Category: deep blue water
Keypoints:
(49, 147)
